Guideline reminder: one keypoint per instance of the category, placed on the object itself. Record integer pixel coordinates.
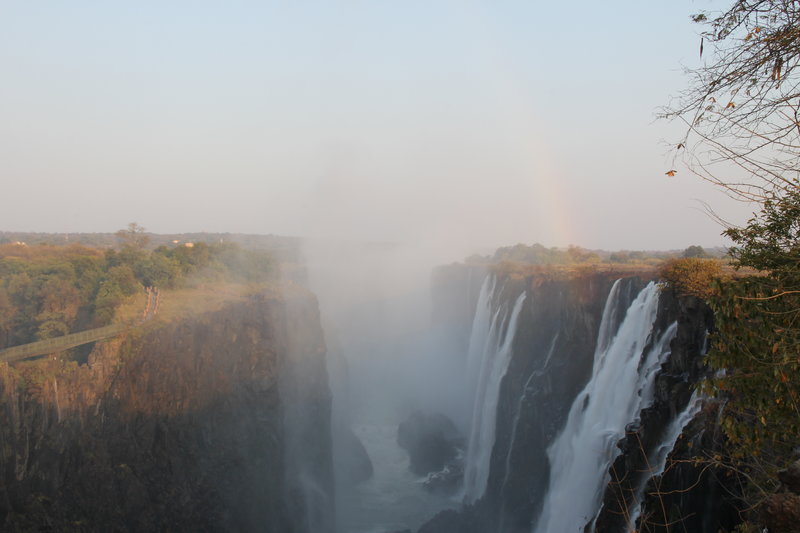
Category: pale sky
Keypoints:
(483, 123)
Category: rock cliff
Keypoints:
(551, 363)
(219, 421)
(689, 494)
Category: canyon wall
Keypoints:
(216, 421)
(554, 345)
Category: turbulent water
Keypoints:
(623, 374)
(394, 498)
(490, 350)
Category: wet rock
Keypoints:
(431, 440)
(356, 465)
(790, 477)
(448, 479)
(451, 521)
(781, 513)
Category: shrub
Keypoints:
(692, 275)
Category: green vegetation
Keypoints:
(695, 251)
(758, 345)
(537, 254)
(692, 275)
(48, 291)
(741, 116)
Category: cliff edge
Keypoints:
(213, 421)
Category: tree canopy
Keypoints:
(742, 112)
(48, 291)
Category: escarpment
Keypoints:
(640, 491)
(216, 421)
(579, 338)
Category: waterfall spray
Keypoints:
(489, 356)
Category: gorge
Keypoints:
(485, 398)
(571, 389)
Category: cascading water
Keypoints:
(480, 337)
(623, 374)
(659, 460)
(489, 356)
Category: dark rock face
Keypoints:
(790, 477)
(537, 391)
(781, 513)
(536, 395)
(560, 317)
(431, 440)
(357, 466)
(453, 521)
(672, 394)
(702, 508)
(695, 495)
(465, 520)
(192, 425)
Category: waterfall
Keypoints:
(658, 462)
(480, 335)
(624, 369)
(489, 355)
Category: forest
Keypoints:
(49, 290)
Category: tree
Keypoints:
(767, 348)
(695, 251)
(156, 270)
(133, 237)
(758, 345)
(742, 113)
(6, 315)
(742, 108)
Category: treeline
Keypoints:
(49, 291)
(537, 254)
(282, 247)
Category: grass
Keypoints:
(206, 297)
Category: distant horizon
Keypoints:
(453, 125)
(487, 249)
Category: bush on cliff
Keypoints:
(691, 275)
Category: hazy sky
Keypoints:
(480, 122)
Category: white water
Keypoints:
(620, 386)
(489, 356)
(659, 460)
(394, 498)
(481, 336)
